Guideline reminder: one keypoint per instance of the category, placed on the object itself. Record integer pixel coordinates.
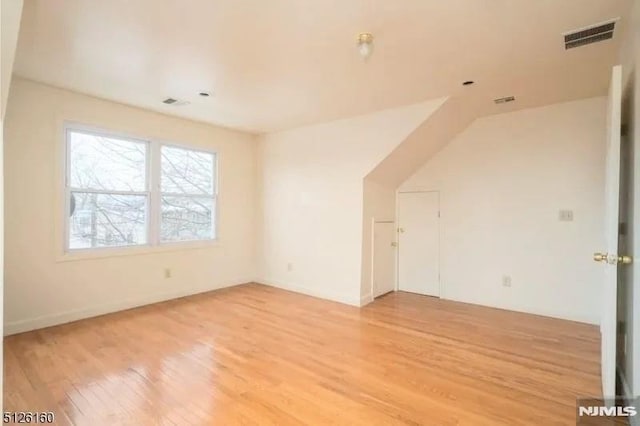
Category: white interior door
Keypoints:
(384, 258)
(418, 243)
(610, 257)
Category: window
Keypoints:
(188, 195)
(127, 192)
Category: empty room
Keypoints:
(364, 212)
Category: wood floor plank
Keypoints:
(253, 354)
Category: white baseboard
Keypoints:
(20, 326)
(587, 319)
(366, 299)
(320, 294)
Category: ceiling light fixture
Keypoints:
(365, 45)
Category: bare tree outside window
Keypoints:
(108, 182)
(110, 196)
(188, 194)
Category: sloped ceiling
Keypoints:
(279, 64)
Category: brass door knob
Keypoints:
(600, 257)
(625, 260)
(612, 259)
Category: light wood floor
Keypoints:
(258, 355)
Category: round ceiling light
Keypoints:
(365, 45)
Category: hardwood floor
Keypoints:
(257, 355)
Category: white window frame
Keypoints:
(153, 192)
(159, 193)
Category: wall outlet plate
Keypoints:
(565, 215)
(506, 281)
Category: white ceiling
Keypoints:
(278, 64)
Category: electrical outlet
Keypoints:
(289, 267)
(167, 272)
(565, 215)
(506, 281)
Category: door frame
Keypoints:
(413, 190)
(373, 253)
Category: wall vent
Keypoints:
(588, 35)
(174, 102)
(505, 99)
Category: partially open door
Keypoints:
(610, 258)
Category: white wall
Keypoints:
(502, 183)
(10, 15)
(312, 199)
(41, 286)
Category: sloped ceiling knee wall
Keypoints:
(379, 186)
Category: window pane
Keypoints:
(105, 163)
(107, 220)
(187, 172)
(187, 218)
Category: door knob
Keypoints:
(600, 257)
(625, 260)
(612, 259)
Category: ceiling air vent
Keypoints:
(505, 100)
(174, 102)
(592, 34)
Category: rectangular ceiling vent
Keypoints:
(505, 99)
(592, 34)
(174, 102)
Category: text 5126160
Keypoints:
(28, 417)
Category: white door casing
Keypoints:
(384, 258)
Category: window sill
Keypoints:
(88, 254)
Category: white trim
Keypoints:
(366, 299)
(586, 319)
(372, 252)
(101, 191)
(139, 250)
(340, 298)
(418, 188)
(20, 326)
(155, 161)
(153, 195)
